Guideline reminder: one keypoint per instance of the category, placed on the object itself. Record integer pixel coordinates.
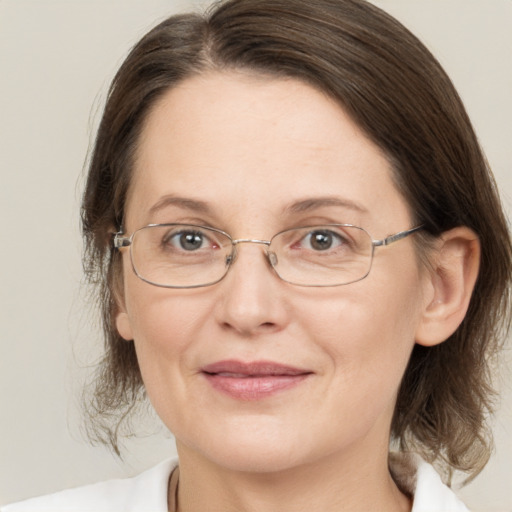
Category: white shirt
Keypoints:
(147, 492)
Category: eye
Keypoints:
(322, 240)
(189, 240)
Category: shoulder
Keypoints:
(147, 491)
(419, 479)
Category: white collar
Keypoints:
(148, 491)
(419, 479)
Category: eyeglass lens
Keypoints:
(183, 256)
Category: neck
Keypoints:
(332, 484)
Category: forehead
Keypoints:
(242, 144)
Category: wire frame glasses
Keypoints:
(191, 256)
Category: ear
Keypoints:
(453, 275)
(122, 318)
(124, 327)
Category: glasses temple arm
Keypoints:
(121, 241)
(397, 236)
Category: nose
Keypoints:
(252, 297)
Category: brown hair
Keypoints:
(397, 92)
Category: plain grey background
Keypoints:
(56, 60)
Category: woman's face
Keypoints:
(253, 373)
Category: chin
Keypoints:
(256, 450)
(255, 459)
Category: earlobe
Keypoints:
(123, 325)
(122, 319)
(452, 279)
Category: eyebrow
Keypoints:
(314, 203)
(304, 205)
(181, 202)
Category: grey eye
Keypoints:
(187, 240)
(191, 241)
(322, 240)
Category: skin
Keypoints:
(249, 147)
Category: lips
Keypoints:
(253, 381)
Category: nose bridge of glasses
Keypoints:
(235, 243)
(250, 241)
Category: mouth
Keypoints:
(253, 381)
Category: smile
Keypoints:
(253, 381)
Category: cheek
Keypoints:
(357, 319)
(368, 337)
(165, 329)
(164, 324)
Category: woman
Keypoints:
(251, 168)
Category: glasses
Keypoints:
(190, 256)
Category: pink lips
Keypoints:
(252, 381)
